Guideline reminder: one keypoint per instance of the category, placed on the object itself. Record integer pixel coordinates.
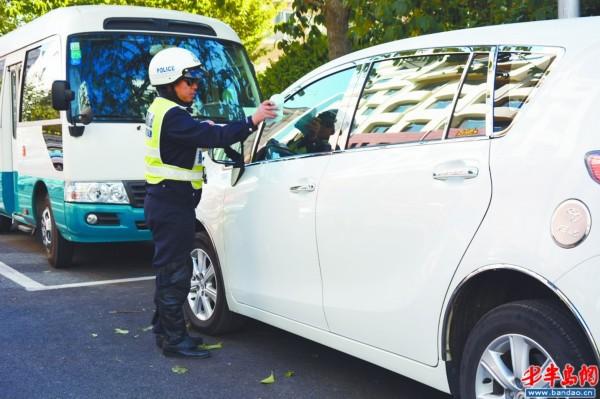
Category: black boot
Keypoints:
(159, 333)
(185, 348)
(172, 288)
(193, 341)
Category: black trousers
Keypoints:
(170, 214)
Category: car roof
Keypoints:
(571, 34)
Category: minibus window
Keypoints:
(41, 69)
(109, 73)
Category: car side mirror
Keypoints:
(230, 156)
(62, 95)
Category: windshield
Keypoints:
(108, 72)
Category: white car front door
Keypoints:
(397, 209)
(270, 247)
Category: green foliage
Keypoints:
(299, 59)
(251, 19)
(37, 104)
(378, 21)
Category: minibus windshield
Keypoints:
(108, 72)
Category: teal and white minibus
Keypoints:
(74, 90)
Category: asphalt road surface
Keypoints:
(58, 340)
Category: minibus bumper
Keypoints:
(104, 223)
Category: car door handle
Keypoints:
(467, 172)
(305, 188)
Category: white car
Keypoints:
(425, 205)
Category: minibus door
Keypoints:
(9, 134)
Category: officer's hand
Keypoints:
(266, 110)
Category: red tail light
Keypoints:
(592, 161)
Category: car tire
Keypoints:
(5, 224)
(58, 250)
(536, 331)
(206, 305)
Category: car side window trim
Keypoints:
(457, 95)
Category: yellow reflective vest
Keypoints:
(156, 170)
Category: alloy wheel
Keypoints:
(203, 292)
(503, 364)
(46, 227)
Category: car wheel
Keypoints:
(206, 305)
(512, 337)
(58, 250)
(5, 224)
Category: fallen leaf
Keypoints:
(289, 373)
(136, 336)
(269, 380)
(121, 331)
(94, 335)
(207, 347)
(179, 370)
(147, 328)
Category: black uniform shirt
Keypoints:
(181, 136)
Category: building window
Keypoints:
(414, 127)
(440, 104)
(400, 108)
(369, 110)
(380, 128)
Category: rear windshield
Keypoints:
(108, 72)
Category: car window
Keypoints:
(518, 76)
(407, 100)
(468, 118)
(310, 119)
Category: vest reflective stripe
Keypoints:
(152, 152)
(156, 170)
(175, 174)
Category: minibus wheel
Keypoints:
(58, 250)
(206, 306)
(510, 338)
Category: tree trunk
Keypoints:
(336, 22)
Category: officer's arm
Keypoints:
(180, 127)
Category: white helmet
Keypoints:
(172, 63)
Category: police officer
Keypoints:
(174, 177)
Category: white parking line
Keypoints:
(32, 285)
(19, 278)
